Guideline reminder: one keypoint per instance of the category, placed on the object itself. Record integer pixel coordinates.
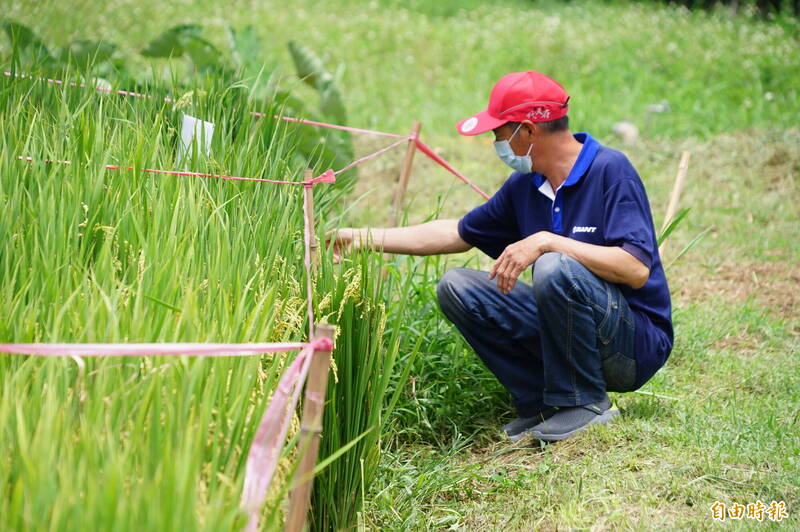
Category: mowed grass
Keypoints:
(723, 424)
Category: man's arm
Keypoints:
(611, 263)
(431, 238)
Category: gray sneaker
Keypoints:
(517, 429)
(570, 420)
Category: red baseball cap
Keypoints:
(516, 97)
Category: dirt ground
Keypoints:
(773, 285)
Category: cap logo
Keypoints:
(539, 114)
(469, 124)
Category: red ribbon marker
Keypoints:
(371, 156)
(136, 350)
(82, 86)
(424, 148)
(326, 177)
(331, 126)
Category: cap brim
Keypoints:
(479, 123)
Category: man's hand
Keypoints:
(430, 238)
(344, 240)
(517, 257)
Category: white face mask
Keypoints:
(520, 163)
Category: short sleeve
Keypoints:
(628, 221)
(492, 226)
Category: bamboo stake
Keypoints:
(405, 174)
(309, 219)
(677, 188)
(310, 432)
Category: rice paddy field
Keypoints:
(95, 255)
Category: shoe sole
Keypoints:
(602, 419)
(516, 437)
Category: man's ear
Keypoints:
(531, 128)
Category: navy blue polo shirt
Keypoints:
(602, 202)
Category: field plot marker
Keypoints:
(310, 432)
(405, 174)
(308, 212)
(677, 188)
(196, 138)
(310, 246)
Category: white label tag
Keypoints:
(196, 134)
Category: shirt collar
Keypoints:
(585, 158)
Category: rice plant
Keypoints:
(93, 255)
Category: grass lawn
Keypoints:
(718, 423)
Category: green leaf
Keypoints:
(247, 50)
(172, 42)
(321, 150)
(696, 240)
(85, 54)
(328, 460)
(163, 303)
(313, 72)
(23, 38)
(673, 224)
(291, 105)
(309, 66)
(203, 54)
(331, 104)
(186, 40)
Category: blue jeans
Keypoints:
(562, 342)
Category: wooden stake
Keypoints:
(405, 174)
(309, 218)
(310, 431)
(677, 188)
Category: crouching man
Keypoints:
(597, 316)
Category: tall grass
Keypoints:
(89, 255)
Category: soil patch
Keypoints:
(774, 285)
